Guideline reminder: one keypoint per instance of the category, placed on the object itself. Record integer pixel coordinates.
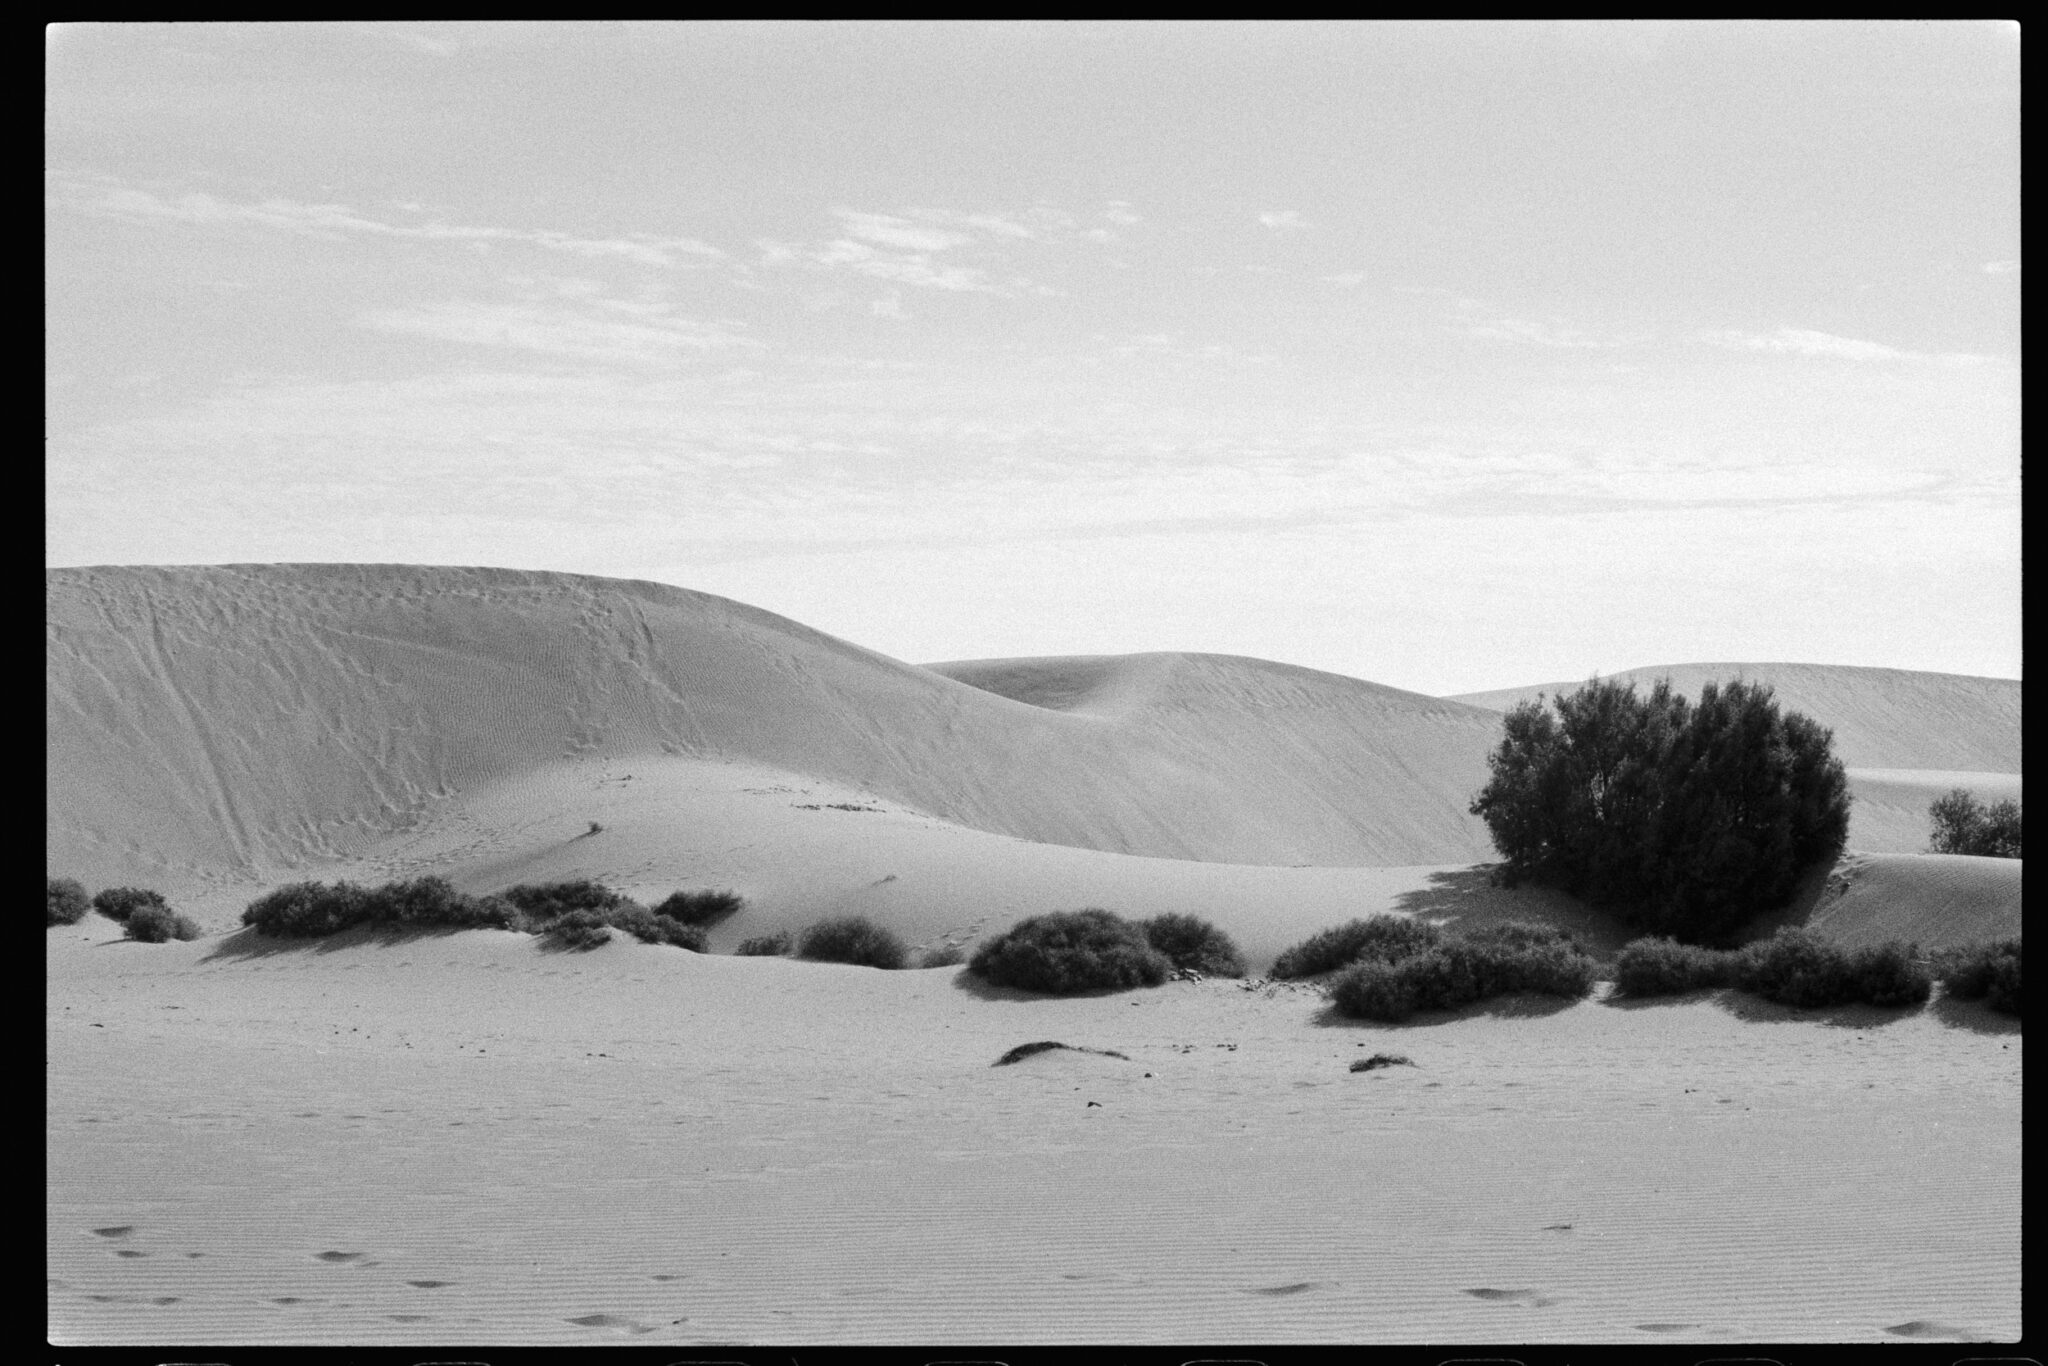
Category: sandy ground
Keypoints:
(465, 1138)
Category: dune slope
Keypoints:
(261, 718)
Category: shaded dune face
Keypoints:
(252, 717)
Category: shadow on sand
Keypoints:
(249, 943)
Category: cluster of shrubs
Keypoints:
(1984, 972)
(1383, 939)
(143, 914)
(1684, 818)
(1793, 967)
(577, 914)
(1964, 825)
(1063, 953)
(1402, 972)
(1799, 968)
(848, 939)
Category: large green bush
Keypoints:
(1191, 943)
(118, 903)
(159, 924)
(68, 902)
(1964, 825)
(1067, 952)
(1686, 819)
(852, 939)
(1383, 938)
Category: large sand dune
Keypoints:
(256, 718)
(472, 1138)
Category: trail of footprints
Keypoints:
(620, 1325)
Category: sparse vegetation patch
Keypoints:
(852, 939)
(700, 908)
(68, 902)
(1195, 945)
(1498, 960)
(1383, 938)
(1983, 972)
(764, 945)
(1064, 953)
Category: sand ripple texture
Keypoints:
(489, 1145)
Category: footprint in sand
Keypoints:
(115, 1231)
(430, 1285)
(616, 1323)
(1664, 1327)
(1934, 1328)
(1529, 1298)
(339, 1257)
(1291, 1288)
(129, 1252)
(410, 1318)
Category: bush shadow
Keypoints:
(1745, 1006)
(251, 943)
(981, 990)
(1521, 1005)
(1466, 899)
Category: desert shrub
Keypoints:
(700, 908)
(852, 939)
(1191, 942)
(1383, 938)
(650, 928)
(1664, 967)
(764, 945)
(68, 902)
(1684, 818)
(1065, 952)
(578, 930)
(1799, 968)
(157, 924)
(1986, 972)
(1963, 825)
(309, 910)
(1498, 961)
(942, 956)
(434, 901)
(118, 903)
(543, 902)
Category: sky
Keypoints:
(1450, 356)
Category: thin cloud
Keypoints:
(651, 341)
(1536, 333)
(339, 222)
(1350, 279)
(1281, 219)
(899, 232)
(2000, 267)
(1805, 342)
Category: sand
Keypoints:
(468, 1138)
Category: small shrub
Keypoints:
(1984, 972)
(118, 903)
(1665, 967)
(650, 928)
(1191, 942)
(1799, 968)
(579, 930)
(1498, 961)
(942, 956)
(700, 908)
(68, 902)
(157, 924)
(764, 945)
(543, 902)
(1065, 952)
(1373, 990)
(1032, 1050)
(434, 901)
(309, 910)
(1379, 1060)
(1383, 938)
(852, 939)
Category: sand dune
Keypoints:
(255, 718)
(254, 1141)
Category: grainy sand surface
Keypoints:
(468, 1138)
(464, 1138)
